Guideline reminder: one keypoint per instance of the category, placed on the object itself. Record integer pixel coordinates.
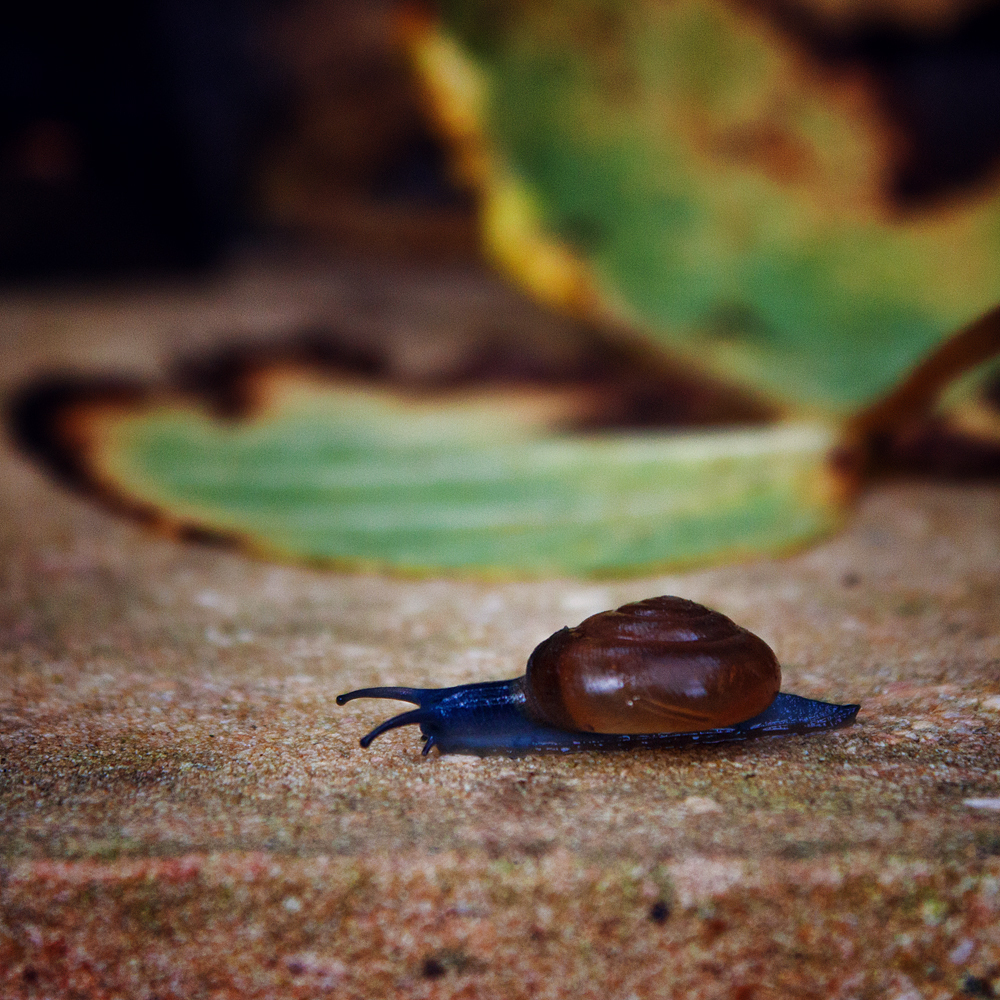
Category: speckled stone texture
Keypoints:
(184, 811)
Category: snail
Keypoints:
(664, 672)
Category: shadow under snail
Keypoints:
(664, 672)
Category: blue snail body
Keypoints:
(666, 662)
(489, 718)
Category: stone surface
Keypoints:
(184, 811)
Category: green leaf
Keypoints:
(368, 479)
(717, 185)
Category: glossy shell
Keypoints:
(663, 665)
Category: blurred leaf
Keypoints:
(710, 176)
(354, 477)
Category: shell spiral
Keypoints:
(663, 665)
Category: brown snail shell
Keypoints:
(663, 665)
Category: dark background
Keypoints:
(157, 136)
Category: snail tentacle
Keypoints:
(416, 696)
(425, 698)
(418, 715)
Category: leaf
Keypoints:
(346, 475)
(721, 179)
